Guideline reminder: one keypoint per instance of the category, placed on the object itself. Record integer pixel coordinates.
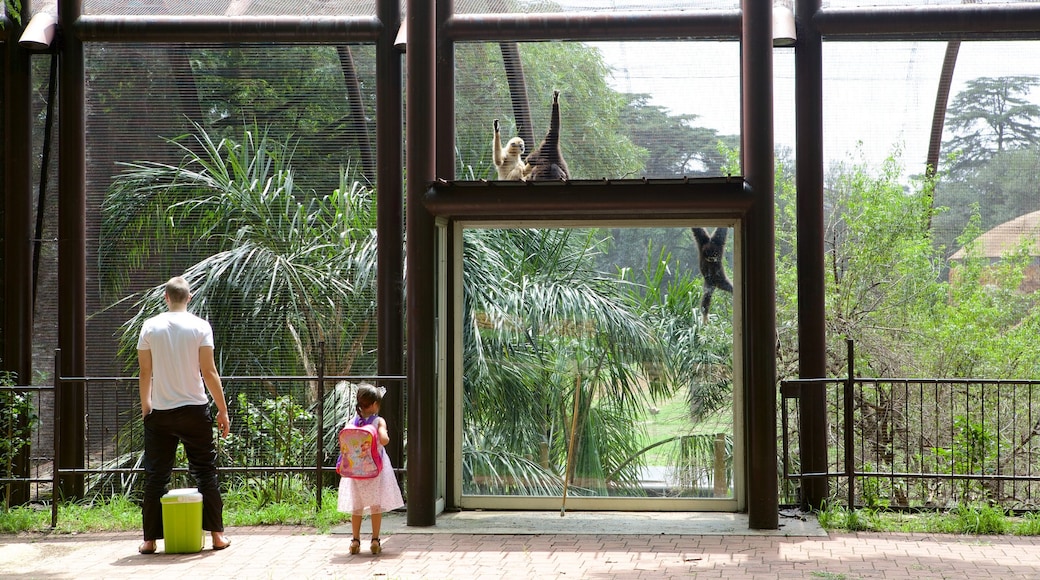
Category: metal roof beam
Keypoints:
(963, 21)
(288, 29)
(707, 24)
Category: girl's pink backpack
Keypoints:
(359, 453)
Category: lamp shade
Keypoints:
(39, 33)
(783, 26)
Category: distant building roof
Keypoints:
(1006, 237)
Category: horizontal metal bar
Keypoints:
(921, 381)
(962, 21)
(288, 29)
(589, 199)
(6, 480)
(239, 378)
(636, 25)
(182, 470)
(23, 388)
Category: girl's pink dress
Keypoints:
(365, 496)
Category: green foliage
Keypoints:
(243, 85)
(989, 116)
(1028, 526)
(999, 189)
(992, 157)
(699, 356)
(243, 506)
(985, 326)
(881, 269)
(834, 516)
(297, 508)
(299, 268)
(276, 431)
(547, 336)
(13, 8)
(973, 451)
(976, 520)
(873, 494)
(19, 418)
(592, 135)
(687, 150)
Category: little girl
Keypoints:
(378, 494)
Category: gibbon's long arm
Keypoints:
(507, 159)
(546, 162)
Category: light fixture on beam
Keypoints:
(40, 31)
(401, 41)
(783, 26)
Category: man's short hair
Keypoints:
(178, 290)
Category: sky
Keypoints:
(879, 98)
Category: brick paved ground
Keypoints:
(299, 553)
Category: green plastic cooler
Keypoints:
(182, 521)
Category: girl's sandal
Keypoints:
(355, 546)
(376, 546)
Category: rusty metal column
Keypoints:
(812, 330)
(420, 263)
(72, 229)
(760, 282)
(17, 280)
(390, 223)
(444, 167)
(18, 210)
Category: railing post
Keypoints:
(55, 478)
(850, 463)
(320, 415)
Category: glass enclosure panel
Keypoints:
(586, 353)
(627, 109)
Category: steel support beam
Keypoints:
(964, 21)
(812, 330)
(420, 263)
(18, 208)
(17, 279)
(72, 239)
(445, 289)
(589, 200)
(622, 25)
(759, 332)
(299, 29)
(390, 223)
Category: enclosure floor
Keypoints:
(508, 546)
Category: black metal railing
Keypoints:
(920, 442)
(111, 435)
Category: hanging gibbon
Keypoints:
(546, 161)
(712, 264)
(507, 159)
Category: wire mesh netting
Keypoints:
(255, 162)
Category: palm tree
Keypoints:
(562, 362)
(277, 271)
(553, 358)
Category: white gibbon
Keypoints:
(507, 159)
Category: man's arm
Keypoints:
(211, 377)
(144, 381)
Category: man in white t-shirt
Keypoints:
(175, 352)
